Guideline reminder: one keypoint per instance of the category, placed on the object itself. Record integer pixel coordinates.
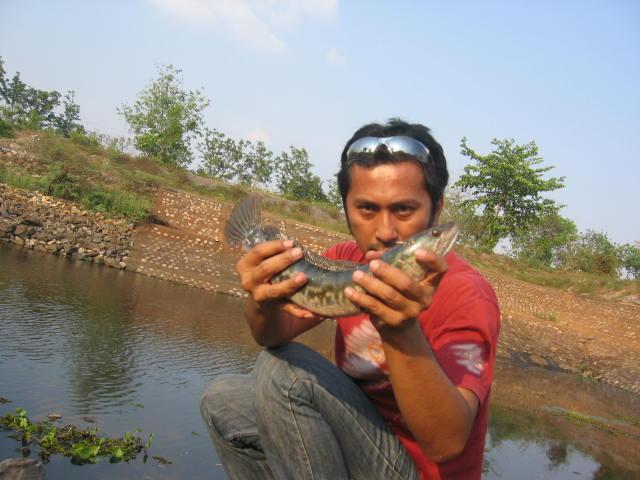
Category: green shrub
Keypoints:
(83, 138)
(23, 181)
(6, 128)
(117, 202)
(59, 183)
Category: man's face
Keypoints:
(387, 204)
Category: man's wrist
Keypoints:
(403, 334)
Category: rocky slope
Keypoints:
(598, 340)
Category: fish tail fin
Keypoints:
(243, 228)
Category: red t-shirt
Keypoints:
(461, 325)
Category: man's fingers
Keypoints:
(297, 311)
(431, 261)
(379, 289)
(397, 279)
(253, 275)
(286, 288)
(275, 264)
(372, 255)
(364, 301)
(261, 251)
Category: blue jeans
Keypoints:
(297, 416)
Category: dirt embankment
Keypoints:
(596, 339)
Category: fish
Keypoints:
(324, 294)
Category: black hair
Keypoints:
(436, 175)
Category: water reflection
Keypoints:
(136, 352)
(562, 426)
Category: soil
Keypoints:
(598, 340)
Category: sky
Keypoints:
(310, 72)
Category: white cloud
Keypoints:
(257, 134)
(335, 58)
(289, 12)
(251, 21)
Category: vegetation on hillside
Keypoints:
(505, 189)
(499, 197)
(165, 118)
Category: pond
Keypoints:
(133, 352)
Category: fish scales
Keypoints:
(323, 293)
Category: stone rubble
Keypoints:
(595, 339)
(47, 224)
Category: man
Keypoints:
(409, 396)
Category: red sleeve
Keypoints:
(463, 329)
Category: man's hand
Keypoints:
(390, 296)
(260, 264)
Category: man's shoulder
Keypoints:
(463, 287)
(464, 304)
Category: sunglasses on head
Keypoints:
(401, 147)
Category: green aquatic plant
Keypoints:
(545, 316)
(83, 446)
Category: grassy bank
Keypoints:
(576, 282)
(99, 179)
(120, 185)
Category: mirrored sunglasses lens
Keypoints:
(400, 146)
(408, 146)
(364, 145)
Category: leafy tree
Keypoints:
(593, 252)
(294, 177)
(505, 186)
(35, 108)
(458, 208)
(333, 192)
(630, 259)
(14, 94)
(546, 241)
(40, 108)
(257, 164)
(165, 118)
(216, 161)
(249, 163)
(68, 121)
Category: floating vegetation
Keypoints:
(551, 317)
(628, 419)
(83, 446)
(601, 423)
(162, 460)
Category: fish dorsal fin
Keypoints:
(272, 232)
(243, 227)
(326, 264)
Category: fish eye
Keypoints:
(436, 232)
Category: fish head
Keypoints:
(438, 239)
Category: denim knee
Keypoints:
(281, 371)
(224, 402)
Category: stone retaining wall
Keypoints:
(48, 224)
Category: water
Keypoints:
(135, 352)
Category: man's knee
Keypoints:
(291, 368)
(226, 398)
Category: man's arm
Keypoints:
(272, 323)
(438, 414)
(272, 319)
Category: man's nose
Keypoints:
(386, 232)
